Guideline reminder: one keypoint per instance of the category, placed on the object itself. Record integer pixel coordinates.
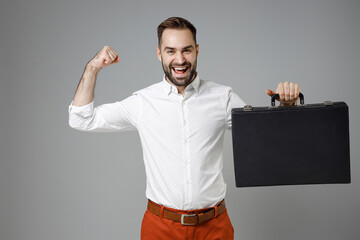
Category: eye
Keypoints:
(187, 50)
(170, 51)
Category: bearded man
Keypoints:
(181, 122)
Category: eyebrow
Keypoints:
(171, 48)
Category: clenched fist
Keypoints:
(288, 92)
(104, 58)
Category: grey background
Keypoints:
(58, 183)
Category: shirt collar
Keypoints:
(168, 88)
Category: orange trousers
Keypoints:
(154, 227)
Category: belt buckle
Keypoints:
(187, 215)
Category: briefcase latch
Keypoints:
(328, 103)
(248, 108)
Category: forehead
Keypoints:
(177, 38)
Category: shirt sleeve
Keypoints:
(112, 117)
(234, 101)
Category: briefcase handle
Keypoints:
(273, 98)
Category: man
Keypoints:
(181, 122)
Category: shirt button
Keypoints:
(187, 182)
(184, 123)
(185, 140)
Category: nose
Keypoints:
(179, 58)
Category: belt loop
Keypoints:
(162, 211)
(201, 217)
(216, 211)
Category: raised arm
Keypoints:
(117, 116)
(84, 93)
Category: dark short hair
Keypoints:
(175, 23)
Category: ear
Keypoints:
(158, 53)
(197, 50)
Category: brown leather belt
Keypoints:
(187, 219)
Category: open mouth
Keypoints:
(180, 70)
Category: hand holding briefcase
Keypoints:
(291, 145)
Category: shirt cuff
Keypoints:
(82, 111)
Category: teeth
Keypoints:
(179, 69)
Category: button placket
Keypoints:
(187, 160)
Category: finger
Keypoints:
(105, 49)
(287, 90)
(297, 91)
(292, 91)
(270, 92)
(111, 55)
(280, 91)
(115, 56)
(112, 50)
(107, 60)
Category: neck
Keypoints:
(181, 89)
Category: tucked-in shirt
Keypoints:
(181, 137)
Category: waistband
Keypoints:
(187, 217)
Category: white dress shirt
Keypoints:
(181, 136)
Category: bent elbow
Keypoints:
(76, 123)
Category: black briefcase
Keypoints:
(291, 145)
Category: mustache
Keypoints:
(185, 64)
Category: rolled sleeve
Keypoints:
(83, 111)
(112, 117)
(234, 101)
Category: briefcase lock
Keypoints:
(328, 103)
(248, 108)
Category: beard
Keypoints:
(180, 81)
